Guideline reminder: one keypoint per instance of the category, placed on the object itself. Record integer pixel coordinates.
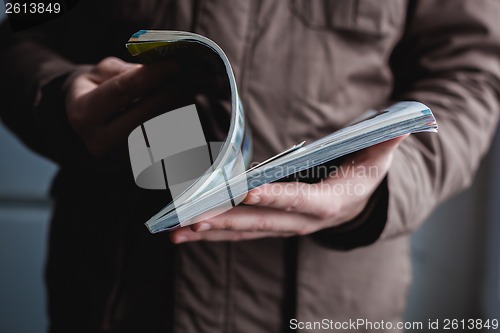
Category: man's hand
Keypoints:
(105, 104)
(289, 209)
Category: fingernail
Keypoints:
(181, 239)
(252, 199)
(203, 227)
(132, 65)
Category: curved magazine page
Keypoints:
(235, 153)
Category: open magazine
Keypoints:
(228, 178)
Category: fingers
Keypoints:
(382, 149)
(110, 67)
(103, 71)
(117, 93)
(118, 129)
(254, 219)
(164, 99)
(325, 199)
(187, 235)
(390, 145)
(313, 199)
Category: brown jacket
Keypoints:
(304, 69)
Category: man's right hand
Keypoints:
(105, 104)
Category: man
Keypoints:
(304, 69)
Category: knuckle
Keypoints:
(263, 224)
(268, 199)
(119, 88)
(297, 202)
(226, 224)
(109, 62)
(327, 211)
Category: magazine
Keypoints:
(228, 177)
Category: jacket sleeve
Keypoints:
(448, 58)
(31, 90)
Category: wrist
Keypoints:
(362, 230)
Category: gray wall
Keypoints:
(491, 290)
(24, 215)
(456, 255)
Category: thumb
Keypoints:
(383, 148)
(110, 67)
